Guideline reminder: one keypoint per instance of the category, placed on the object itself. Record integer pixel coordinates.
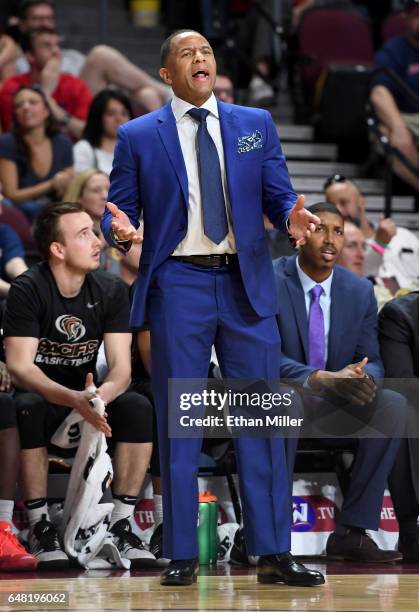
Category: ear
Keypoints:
(57, 249)
(165, 76)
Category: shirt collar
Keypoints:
(180, 107)
(308, 283)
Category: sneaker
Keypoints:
(260, 92)
(156, 546)
(45, 545)
(130, 545)
(238, 553)
(358, 547)
(13, 557)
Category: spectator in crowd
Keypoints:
(90, 188)
(110, 108)
(352, 257)
(399, 341)
(102, 66)
(224, 89)
(13, 557)
(397, 113)
(12, 258)
(35, 158)
(57, 314)
(392, 251)
(68, 96)
(320, 305)
(9, 53)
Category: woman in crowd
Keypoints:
(109, 109)
(90, 188)
(35, 159)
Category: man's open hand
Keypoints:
(121, 225)
(302, 223)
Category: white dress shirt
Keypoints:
(307, 284)
(195, 241)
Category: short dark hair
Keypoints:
(320, 207)
(46, 225)
(26, 5)
(167, 44)
(28, 39)
(93, 130)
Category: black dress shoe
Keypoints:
(284, 568)
(179, 573)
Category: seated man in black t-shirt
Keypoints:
(57, 315)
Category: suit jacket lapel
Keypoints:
(229, 135)
(169, 135)
(296, 292)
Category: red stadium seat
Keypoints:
(332, 36)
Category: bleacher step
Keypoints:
(310, 150)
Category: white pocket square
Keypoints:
(249, 142)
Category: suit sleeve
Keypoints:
(124, 190)
(368, 345)
(278, 194)
(293, 370)
(396, 342)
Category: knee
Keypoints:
(132, 418)
(99, 55)
(393, 410)
(31, 412)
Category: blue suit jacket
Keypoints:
(149, 176)
(353, 322)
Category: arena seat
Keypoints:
(331, 36)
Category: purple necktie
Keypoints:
(316, 348)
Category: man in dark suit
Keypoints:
(203, 173)
(328, 326)
(398, 326)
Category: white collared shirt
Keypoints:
(307, 284)
(195, 241)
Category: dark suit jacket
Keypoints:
(399, 336)
(353, 322)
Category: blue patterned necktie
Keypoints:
(212, 195)
(316, 344)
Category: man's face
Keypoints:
(412, 25)
(39, 16)
(352, 256)
(78, 247)
(346, 197)
(190, 68)
(325, 244)
(45, 48)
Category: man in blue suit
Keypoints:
(328, 327)
(203, 173)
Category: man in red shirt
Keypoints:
(68, 96)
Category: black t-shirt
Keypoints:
(70, 330)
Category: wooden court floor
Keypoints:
(349, 588)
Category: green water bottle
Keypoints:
(204, 529)
(207, 528)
